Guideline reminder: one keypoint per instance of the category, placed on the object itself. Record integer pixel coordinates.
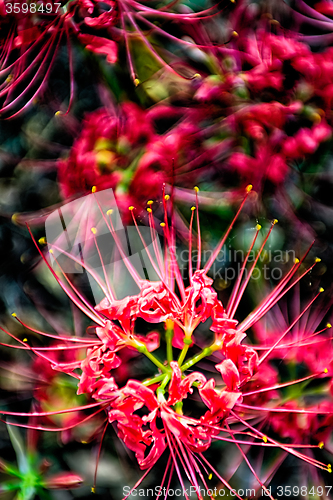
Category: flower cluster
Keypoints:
(151, 411)
(152, 99)
(262, 118)
(30, 40)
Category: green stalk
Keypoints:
(192, 361)
(154, 380)
(156, 362)
(161, 389)
(168, 340)
(187, 342)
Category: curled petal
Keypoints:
(178, 388)
(229, 374)
(100, 45)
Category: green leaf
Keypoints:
(18, 446)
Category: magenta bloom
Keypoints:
(121, 149)
(232, 381)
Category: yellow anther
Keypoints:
(14, 218)
(93, 490)
(275, 221)
(329, 467)
(325, 370)
(264, 438)
(14, 315)
(249, 187)
(131, 208)
(109, 212)
(136, 81)
(196, 75)
(234, 33)
(57, 113)
(9, 78)
(328, 325)
(149, 210)
(315, 117)
(51, 251)
(162, 224)
(321, 445)
(321, 289)
(196, 189)
(317, 259)
(42, 241)
(193, 208)
(167, 197)
(25, 339)
(94, 189)
(150, 202)
(296, 261)
(93, 230)
(84, 442)
(233, 1)
(210, 476)
(258, 227)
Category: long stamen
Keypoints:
(57, 337)
(48, 413)
(219, 477)
(251, 468)
(79, 294)
(128, 50)
(243, 287)
(12, 103)
(196, 189)
(156, 269)
(223, 239)
(168, 436)
(110, 295)
(98, 456)
(197, 468)
(314, 462)
(190, 244)
(239, 279)
(290, 327)
(276, 294)
(154, 237)
(81, 263)
(279, 386)
(54, 429)
(95, 316)
(71, 72)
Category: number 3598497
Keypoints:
(32, 8)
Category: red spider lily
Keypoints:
(30, 40)
(120, 149)
(33, 39)
(148, 421)
(287, 71)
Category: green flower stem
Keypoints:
(182, 356)
(161, 389)
(168, 339)
(192, 361)
(154, 380)
(139, 346)
(156, 362)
